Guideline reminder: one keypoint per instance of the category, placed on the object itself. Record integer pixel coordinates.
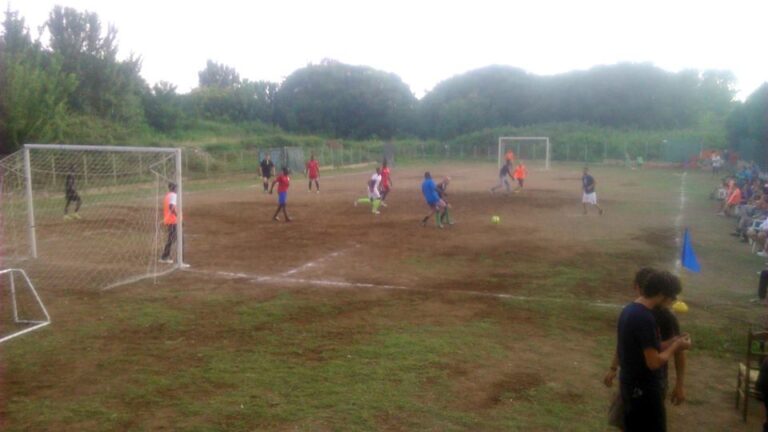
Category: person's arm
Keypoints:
(655, 359)
(611, 374)
(678, 393)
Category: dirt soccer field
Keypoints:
(344, 320)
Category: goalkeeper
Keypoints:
(71, 195)
(170, 217)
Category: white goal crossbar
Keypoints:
(503, 140)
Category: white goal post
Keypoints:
(516, 145)
(118, 235)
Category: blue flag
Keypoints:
(688, 256)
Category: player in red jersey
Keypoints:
(283, 182)
(313, 172)
(386, 182)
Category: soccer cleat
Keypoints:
(166, 261)
(376, 212)
(76, 216)
(184, 265)
(762, 254)
(440, 226)
(67, 217)
(317, 191)
(288, 219)
(276, 218)
(600, 212)
(383, 204)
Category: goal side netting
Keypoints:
(21, 309)
(526, 149)
(85, 217)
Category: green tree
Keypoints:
(107, 87)
(33, 88)
(344, 101)
(218, 75)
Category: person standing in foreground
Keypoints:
(267, 169)
(386, 182)
(170, 219)
(589, 195)
(669, 328)
(642, 355)
(70, 194)
(313, 172)
(283, 183)
(432, 197)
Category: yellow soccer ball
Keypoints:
(495, 219)
(680, 307)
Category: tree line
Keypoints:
(73, 88)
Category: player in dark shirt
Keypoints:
(589, 196)
(267, 168)
(504, 174)
(642, 355)
(71, 195)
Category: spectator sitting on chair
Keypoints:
(749, 213)
(759, 235)
(733, 200)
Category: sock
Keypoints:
(375, 205)
(363, 200)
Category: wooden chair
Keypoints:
(750, 369)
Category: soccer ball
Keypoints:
(680, 307)
(495, 219)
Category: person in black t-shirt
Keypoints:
(504, 174)
(642, 354)
(267, 168)
(71, 195)
(668, 328)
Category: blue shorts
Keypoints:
(282, 197)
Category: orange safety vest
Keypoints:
(169, 218)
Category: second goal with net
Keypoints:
(525, 148)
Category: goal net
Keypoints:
(285, 157)
(525, 148)
(80, 217)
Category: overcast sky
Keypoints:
(426, 41)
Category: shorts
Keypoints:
(589, 198)
(437, 206)
(643, 409)
(265, 177)
(72, 196)
(282, 197)
(385, 188)
(315, 177)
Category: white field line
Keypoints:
(679, 223)
(341, 284)
(311, 264)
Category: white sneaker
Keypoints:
(377, 212)
(184, 265)
(762, 254)
(383, 204)
(165, 261)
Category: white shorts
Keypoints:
(375, 194)
(589, 198)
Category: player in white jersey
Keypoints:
(374, 194)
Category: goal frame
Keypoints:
(504, 139)
(67, 147)
(35, 324)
